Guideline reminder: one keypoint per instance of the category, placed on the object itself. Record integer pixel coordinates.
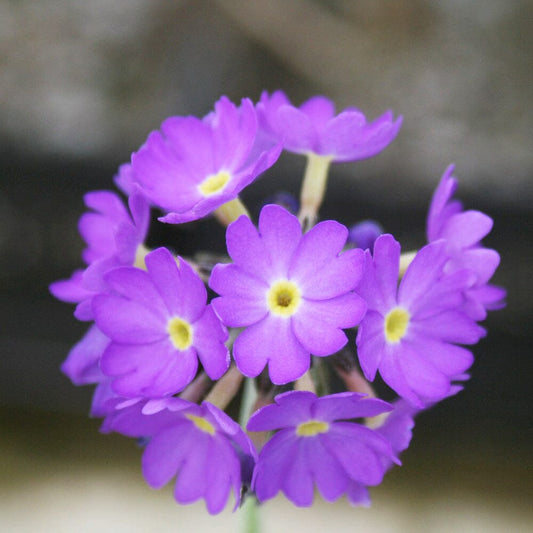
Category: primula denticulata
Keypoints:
(167, 356)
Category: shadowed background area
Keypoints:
(82, 85)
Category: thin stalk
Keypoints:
(231, 211)
(313, 188)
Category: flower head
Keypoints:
(463, 231)
(364, 234)
(410, 331)
(159, 325)
(314, 127)
(317, 444)
(192, 166)
(114, 238)
(292, 293)
(82, 364)
(207, 452)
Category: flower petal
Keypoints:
(281, 233)
(127, 321)
(166, 452)
(272, 341)
(209, 338)
(317, 324)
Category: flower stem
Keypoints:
(231, 211)
(225, 388)
(250, 516)
(405, 260)
(250, 508)
(313, 188)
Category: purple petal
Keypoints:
(271, 340)
(136, 285)
(412, 376)
(350, 139)
(380, 281)
(317, 267)
(422, 273)
(346, 406)
(81, 365)
(274, 460)
(438, 213)
(320, 110)
(178, 371)
(291, 408)
(104, 399)
(191, 483)
(166, 452)
(482, 261)
(299, 132)
(223, 474)
(447, 293)
(238, 312)
(357, 494)
(343, 134)
(466, 229)
(130, 420)
(233, 133)
(190, 141)
(297, 482)
(449, 359)
(281, 233)
(149, 369)
(398, 426)
(162, 177)
(180, 287)
(359, 451)
(209, 338)
(317, 324)
(127, 321)
(371, 343)
(329, 276)
(243, 299)
(71, 290)
(451, 326)
(327, 472)
(247, 249)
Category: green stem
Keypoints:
(250, 508)
(250, 516)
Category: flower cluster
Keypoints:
(168, 356)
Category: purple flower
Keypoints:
(192, 166)
(317, 445)
(364, 234)
(124, 179)
(114, 238)
(82, 364)
(397, 428)
(410, 331)
(159, 325)
(313, 127)
(208, 452)
(292, 293)
(463, 231)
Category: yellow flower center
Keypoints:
(214, 183)
(396, 323)
(180, 333)
(201, 423)
(283, 298)
(311, 428)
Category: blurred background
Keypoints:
(81, 86)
